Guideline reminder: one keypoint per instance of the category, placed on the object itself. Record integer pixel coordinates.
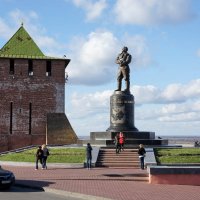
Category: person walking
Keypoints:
(39, 155)
(89, 156)
(121, 141)
(116, 142)
(45, 156)
(141, 153)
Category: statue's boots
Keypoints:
(127, 87)
(119, 86)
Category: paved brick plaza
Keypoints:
(103, 182)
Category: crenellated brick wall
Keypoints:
(26, 100)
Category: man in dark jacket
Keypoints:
(39, 155)
(89, 156)
(116, 142)
(141, 153)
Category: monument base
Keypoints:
(132, 139)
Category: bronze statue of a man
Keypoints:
(123, 59)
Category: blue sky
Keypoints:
(162, 37)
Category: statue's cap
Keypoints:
(125, 49)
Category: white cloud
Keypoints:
(33, 15)
(198, 52)
(172, 93)
(146, 12)
(137, 45)
(183, 117)
(92, 59)
(46, 42)
(178, 92)
(176, 102)
(97, 53)
(5, 30)
(187, 111)
(176, 108)
(152, 94)
(93, 9)
(153, 104)
(94, 103)
(18, 17)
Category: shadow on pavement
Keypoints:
(16, 189)
(32, 184)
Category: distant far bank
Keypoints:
(173, 139)
(182, 139)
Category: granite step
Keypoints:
(109, 158)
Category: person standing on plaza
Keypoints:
(121, 141)
(141, 153)
(116, 142)
(45, 156)
(89, 156)
(39, 156)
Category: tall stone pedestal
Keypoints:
(121, 112)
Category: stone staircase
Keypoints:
(127, 158)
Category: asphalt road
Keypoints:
(19, 193)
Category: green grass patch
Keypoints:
(179, 155)
(57, 155)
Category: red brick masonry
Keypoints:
(176, 175)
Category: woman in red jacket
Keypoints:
(121, 141)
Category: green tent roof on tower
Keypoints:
(21, 45)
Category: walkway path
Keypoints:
(107, 183)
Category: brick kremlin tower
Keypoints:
(32, 103)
